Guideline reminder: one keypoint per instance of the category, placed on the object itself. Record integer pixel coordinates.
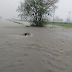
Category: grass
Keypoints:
(17, 22)
(62, 25)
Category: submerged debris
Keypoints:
(26, 34)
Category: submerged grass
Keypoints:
(14, 21)
(17, 22)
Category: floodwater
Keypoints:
(47, 50)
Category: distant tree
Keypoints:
(60, 20)
(21, 16)
(1, 17)
(36, 10)
(68, 20)
(57, 19)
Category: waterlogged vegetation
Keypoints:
(27, 26)
(17, 22)
(46, 23)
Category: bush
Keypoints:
(27, 26)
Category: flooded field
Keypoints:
(47, 50)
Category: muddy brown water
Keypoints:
(48, 50)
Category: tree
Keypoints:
(68, 20)
(36, 10)
(1, 18)
(21, 16)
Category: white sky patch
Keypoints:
(64, 7)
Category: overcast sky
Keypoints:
(8, 9)
(64, 7)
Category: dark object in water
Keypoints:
(26, 34)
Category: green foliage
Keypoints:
(27, 26)
(37, 10)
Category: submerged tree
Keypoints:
(36, 10)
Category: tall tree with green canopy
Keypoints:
(36, 10)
